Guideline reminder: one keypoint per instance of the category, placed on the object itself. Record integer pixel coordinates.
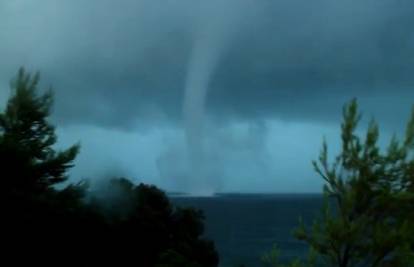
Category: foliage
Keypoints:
(29, 162)
(137, 226)
(161, 234)
(271, 258)
(367, 219)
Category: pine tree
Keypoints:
(368, 218)
(48, 223)
(29, 163)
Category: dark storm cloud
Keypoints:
(277, 72)
(114, 64)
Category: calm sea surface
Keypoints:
(243, 226)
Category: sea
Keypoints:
(245, 226)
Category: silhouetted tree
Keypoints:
(30, 167)
(30, 164)
(159, 234)
(368, 217)
(123, 225)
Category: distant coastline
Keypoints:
(245, 195)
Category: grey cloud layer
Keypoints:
(114, 63)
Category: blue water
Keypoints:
(244, 226)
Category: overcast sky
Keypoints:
(276, 74)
